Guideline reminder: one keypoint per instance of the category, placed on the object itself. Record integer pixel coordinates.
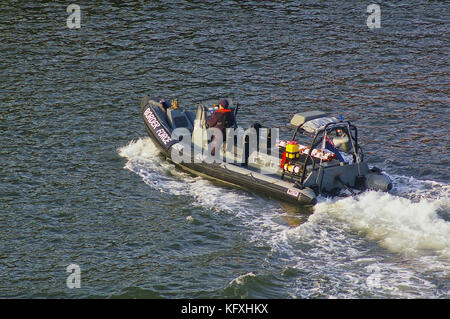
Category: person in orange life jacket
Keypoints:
(222, 119)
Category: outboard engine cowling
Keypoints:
(378, 182)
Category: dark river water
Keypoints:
(81, 183)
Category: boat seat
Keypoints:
(178, 118)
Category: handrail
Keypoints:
(344, 124)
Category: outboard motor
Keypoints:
(375, 180)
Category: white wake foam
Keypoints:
(395, 223)
(334, 241)
(407, 222)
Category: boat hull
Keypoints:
(227, 173)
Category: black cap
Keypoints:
(223, 103)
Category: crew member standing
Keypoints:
(222, 119)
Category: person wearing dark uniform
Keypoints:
(222, 119)
(163, 106)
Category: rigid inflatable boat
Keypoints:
(321, 157)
